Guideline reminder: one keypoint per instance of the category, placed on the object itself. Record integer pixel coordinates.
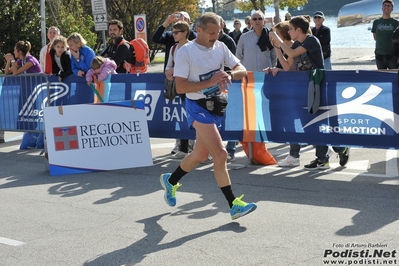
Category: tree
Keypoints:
(156, 12)
(70, 16)
(262, 4)
(20, 21)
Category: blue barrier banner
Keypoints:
(356, 108)
(21, 102)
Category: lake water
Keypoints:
(348, 37)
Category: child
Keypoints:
(100, 67)
(60, 58)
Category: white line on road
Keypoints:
(11, 242)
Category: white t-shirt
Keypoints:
(197, 63)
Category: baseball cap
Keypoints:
(387, 1)
(185, 14)
(320, 14)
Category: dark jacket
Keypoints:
(161, 36)
(119, 51)
(65, 63)
(237, 38)
(324, 36)
(230, 43)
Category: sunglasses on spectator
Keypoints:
(176, 32)
(237, 23)
(255, 19)
(316, 17)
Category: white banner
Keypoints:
(97, 137)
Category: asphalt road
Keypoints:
(347, 215)
(120, 217)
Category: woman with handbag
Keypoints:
(181, 32)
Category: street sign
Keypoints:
(98, 18)
(98, 6)
(101, 26)
(140, 26)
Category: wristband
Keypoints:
(13, 61)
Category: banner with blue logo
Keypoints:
(356, 108)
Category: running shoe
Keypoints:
(317, 165)
(170, 190)
(241, 208)
(289, 161)
(344, 157)
(176, 148)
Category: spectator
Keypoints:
(288, 16)
(323, 33)
(254, 48)
(119, 49)
(248, 24)
(382, 30)
(307, 54)
(284, 63)
(60, 58)
(22, 62)
(236, 33)
(161, 36)
(202, 84)
(100, 67)
(82, 55)
(180, 32)
(25, 63)
(45, 58)
(230, 43)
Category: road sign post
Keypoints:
(99, 9)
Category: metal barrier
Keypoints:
(22, 99)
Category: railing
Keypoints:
(22, 99)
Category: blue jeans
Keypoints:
(327, 63)
(231, 146)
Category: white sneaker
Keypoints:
(289, 161)
(177, 147)
(179, 155)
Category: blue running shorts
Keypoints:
(198, 113)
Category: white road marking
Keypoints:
(11, 242)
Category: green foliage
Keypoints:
(245, 5)
(20, 21)
(156, 12)
(71, 17)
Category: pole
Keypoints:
(277, 11)
(43, 21)
(214, 6)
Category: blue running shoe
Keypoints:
(241, 208)
(170, 191)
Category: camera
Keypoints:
(177, 15)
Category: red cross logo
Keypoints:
(65, 138)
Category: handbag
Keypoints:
(170, 85)
(170, 89)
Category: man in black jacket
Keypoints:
(323, 33)
(118, 49)
(161, 36)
